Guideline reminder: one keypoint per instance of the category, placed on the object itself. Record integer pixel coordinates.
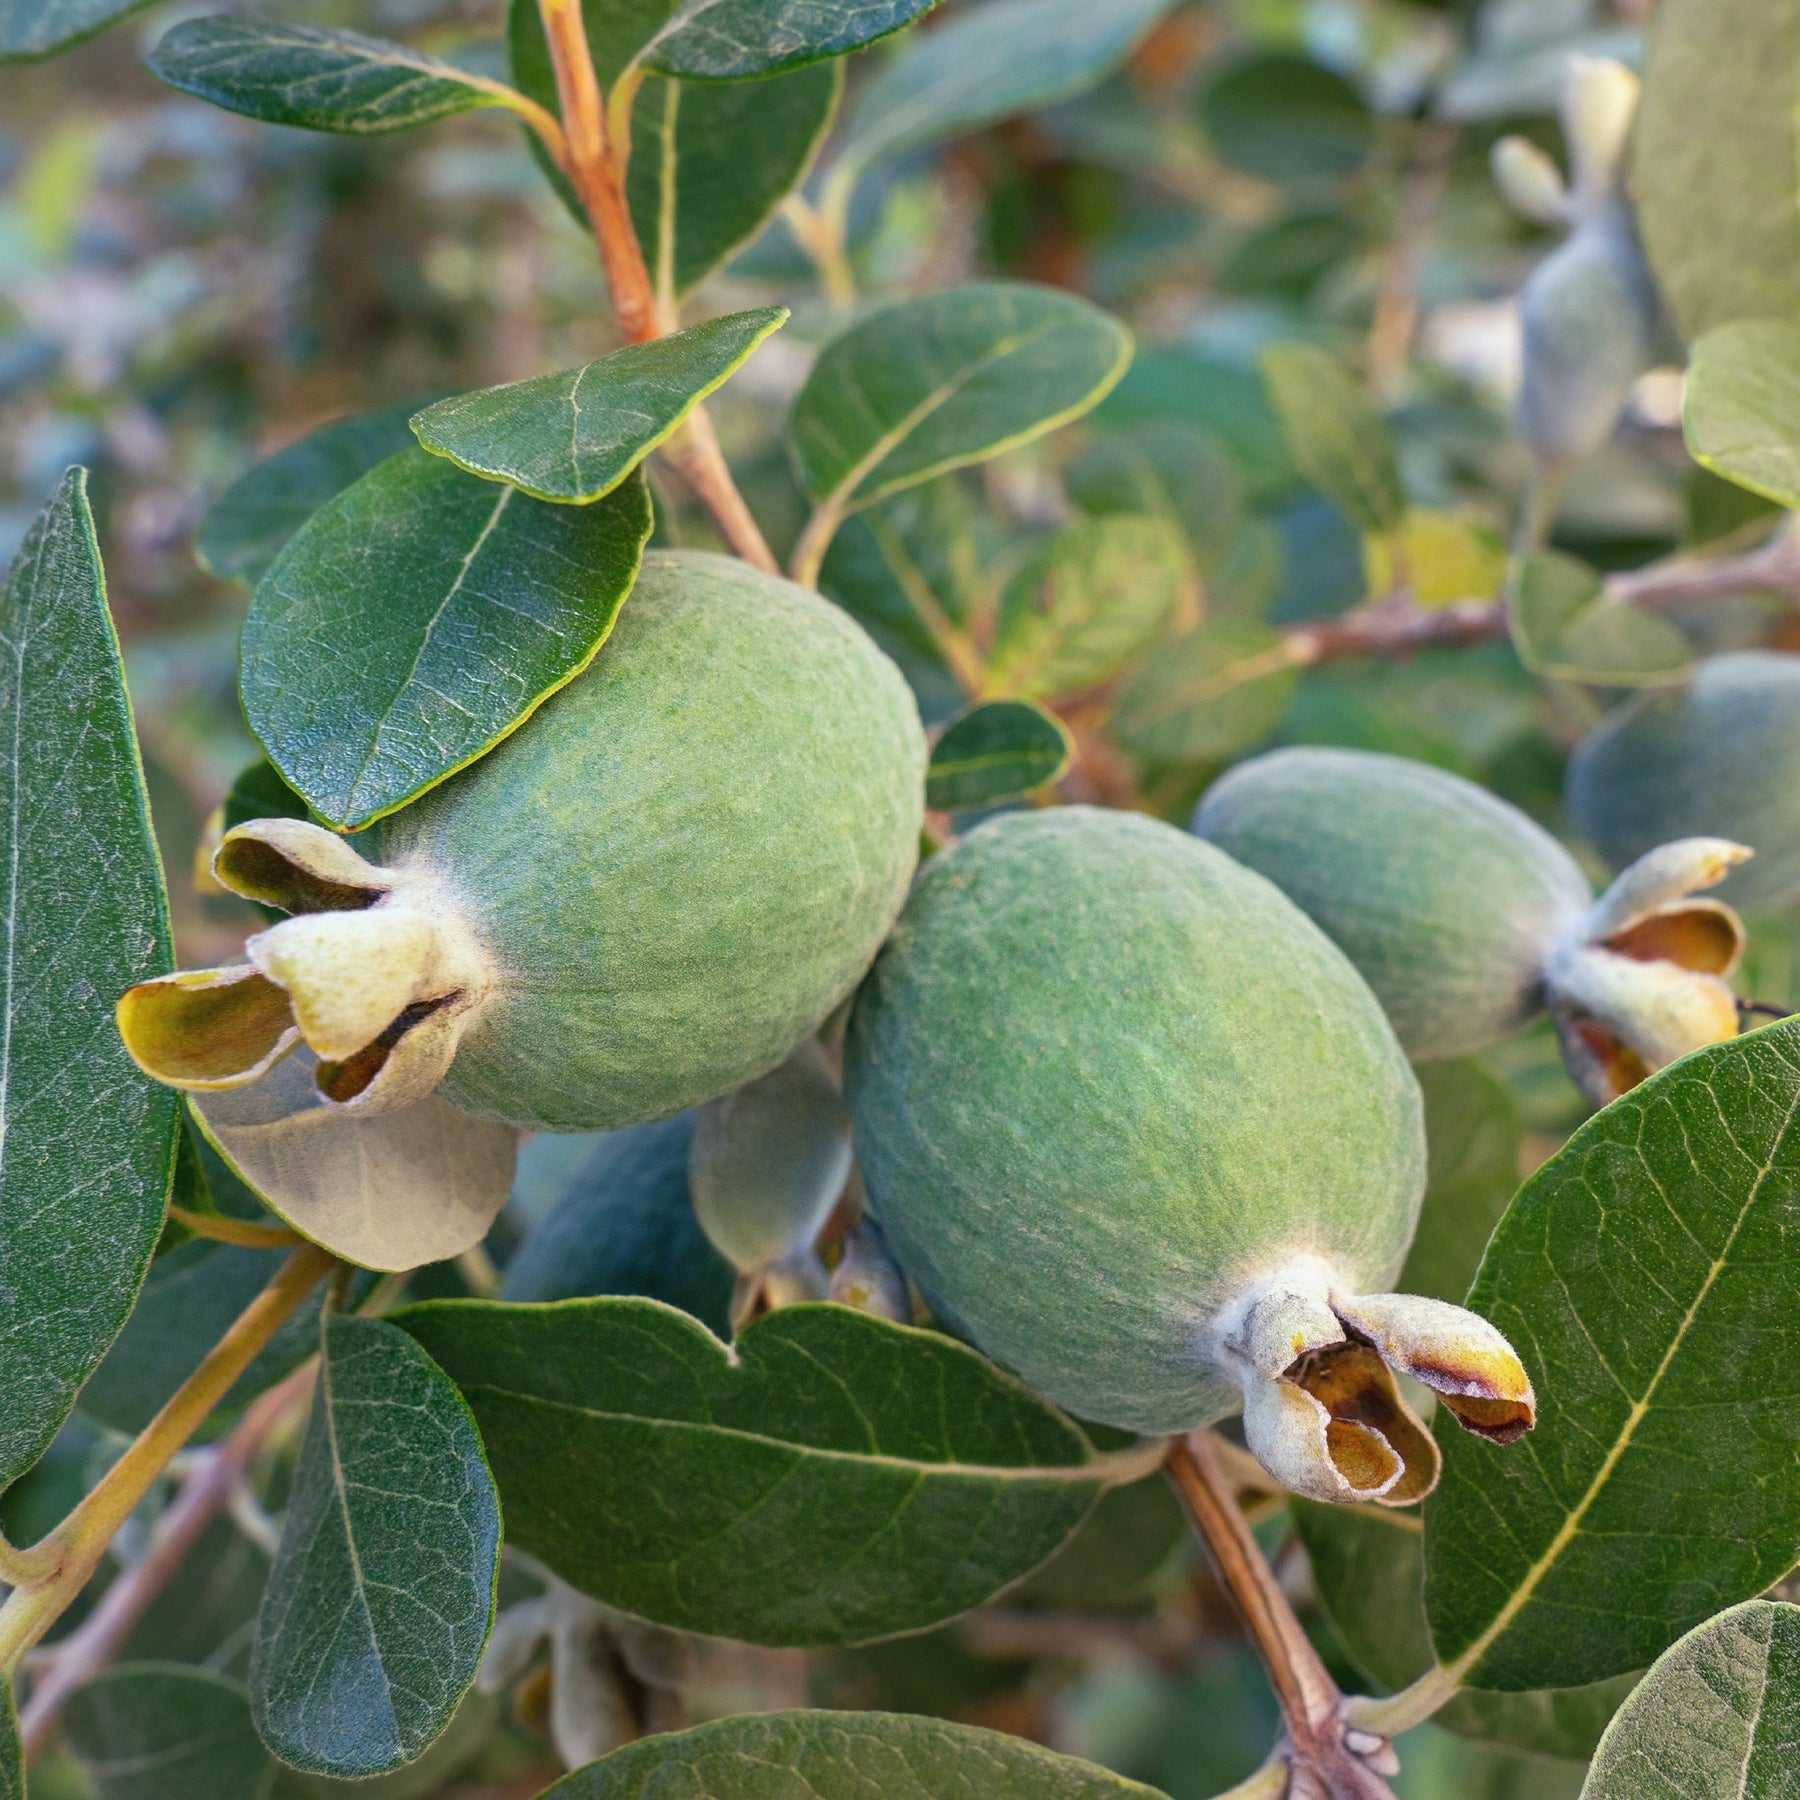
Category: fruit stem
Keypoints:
(207, 1491)
(73, 1550)
(597, 166)
(1311, 1706)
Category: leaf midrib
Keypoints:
(1571, 1525)
(1103, 1468)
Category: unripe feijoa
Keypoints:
(1447, 899)
(644, 897)
(1468, 919)
(1719, 755)
(1103, 1080)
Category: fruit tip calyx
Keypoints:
(373, 971)
(1323, 1412)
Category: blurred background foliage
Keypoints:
(183, 291)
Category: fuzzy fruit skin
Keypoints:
(1719, 757)
(683, 860)
(1447, 899)
(1101, 1077)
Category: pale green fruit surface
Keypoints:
(1445, 897)
(1100, 1078)
(684, 859)
(1719, 757)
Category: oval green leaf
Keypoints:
(574, 436)
(1716, 207)
(1645, 1274)
(727, 40)
(389, 1191)
(1717, 1717)
(998, 750)
(986, 64)
(830, 1479)
(1563, 624)
(1287, 119)
(712, 161)
(1171, 470)
(1337, 439)
(842, 1756)
(1216, 691)
(1098, 595)
(927, 385)
(87, 1142)
(244, 531)
(383, 1591)
(30, 29)
(165, 1731)
(419, 617)
(1741, 407)
(324, 80)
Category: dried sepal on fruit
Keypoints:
(646, 896)
(1135, 1127)
(1468, 919)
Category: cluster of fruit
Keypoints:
(1133, 1107)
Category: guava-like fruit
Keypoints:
(644, 897)
(1721, 753)
(1136, 1127)
(1468, 919)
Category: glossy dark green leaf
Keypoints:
(243, 533)
(381, 1597)
(189, 1299)
(837, 1479)
(997, 750)
(258, 792)
(1741, 406)
(1172, 470)
(574, 436)
(1216, 691)
(623, 1224)
(165, 1731)
(1369, 1569)
(1717, 1717)
(325, 80)
(1472, 1132)
(926, 385)
(988, 63)
(1125, 1551)
(712, 161)
(842, 1756)
(1098, 595)
(419, 617)
(87, 1143)
(1289, 256)
(1645, 1275)
(1335, 435)
(1716, 207)
(1287, 119)
(33, 28)
(1563, 624)
(727, 40)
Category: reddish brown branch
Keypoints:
(1322, 1765)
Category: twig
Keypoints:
(597, 168)
(245, 1233)
(207, 1490)
(76, 1546)
(1322, 1763)
(1397, 304)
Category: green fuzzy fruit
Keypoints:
(646, 896)
(1720, 755)
(1102, 1080)
(1447, 899)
